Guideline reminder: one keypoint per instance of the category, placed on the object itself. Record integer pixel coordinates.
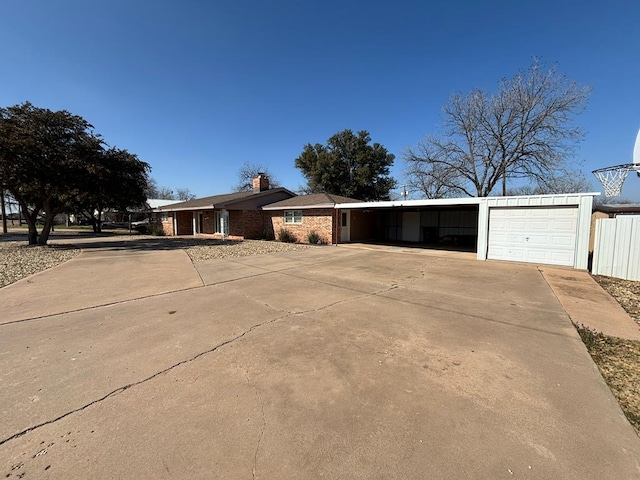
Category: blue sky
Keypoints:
(197, 88)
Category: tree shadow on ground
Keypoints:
(119, 242)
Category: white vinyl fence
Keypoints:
(616, 250)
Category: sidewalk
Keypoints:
(588, 304)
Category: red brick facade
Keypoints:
(320, 221)
(256, 224)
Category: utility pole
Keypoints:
(4, 211)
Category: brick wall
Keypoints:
(167, 225)
(318, 221)
(185, 223)
(254, 224)
(247, 223)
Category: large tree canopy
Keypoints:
(115, 180)
(52, 162)
(524, 131)
(348, 165)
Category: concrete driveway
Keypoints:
(325, 363)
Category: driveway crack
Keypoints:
(213, 349)
(264, 421)
(122, 389)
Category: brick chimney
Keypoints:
(260, 183)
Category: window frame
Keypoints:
(292, 217)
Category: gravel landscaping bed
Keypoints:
(18, 260)
(221, 249)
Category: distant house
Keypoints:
(235, 215)
(304, 214)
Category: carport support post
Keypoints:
(4, 212)
(193, 222)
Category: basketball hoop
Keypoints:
(612, 178)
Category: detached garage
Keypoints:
(545, 229)
(537, 234)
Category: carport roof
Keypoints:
(511, 201)
(412, 203)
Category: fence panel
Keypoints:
(616, 251)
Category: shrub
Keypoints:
(155, 229)
(285, 236)
(314, 238)
(267, 235)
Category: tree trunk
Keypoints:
(46, 229)
(30, 218)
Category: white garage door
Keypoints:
(535, 235)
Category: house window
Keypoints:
(293, 216)
(165, 217)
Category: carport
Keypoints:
(427, 223)
(545, 229)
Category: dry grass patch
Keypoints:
(619, 363)
(618, 359)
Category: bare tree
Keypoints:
(524, 131)
(249, 171)
(430, 181)
(167, 193)
(570, 181)
(184, 194)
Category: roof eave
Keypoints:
(299, 207)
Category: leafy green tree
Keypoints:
(52, 161)
(115, 180)
(348, 165)
(42, 155)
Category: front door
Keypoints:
(222, 222)
(345, 222)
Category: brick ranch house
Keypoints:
(260, 213)
(304, 214)
(232, 215)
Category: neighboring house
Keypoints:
(610, 211)
(304, 214)
(232, 215)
